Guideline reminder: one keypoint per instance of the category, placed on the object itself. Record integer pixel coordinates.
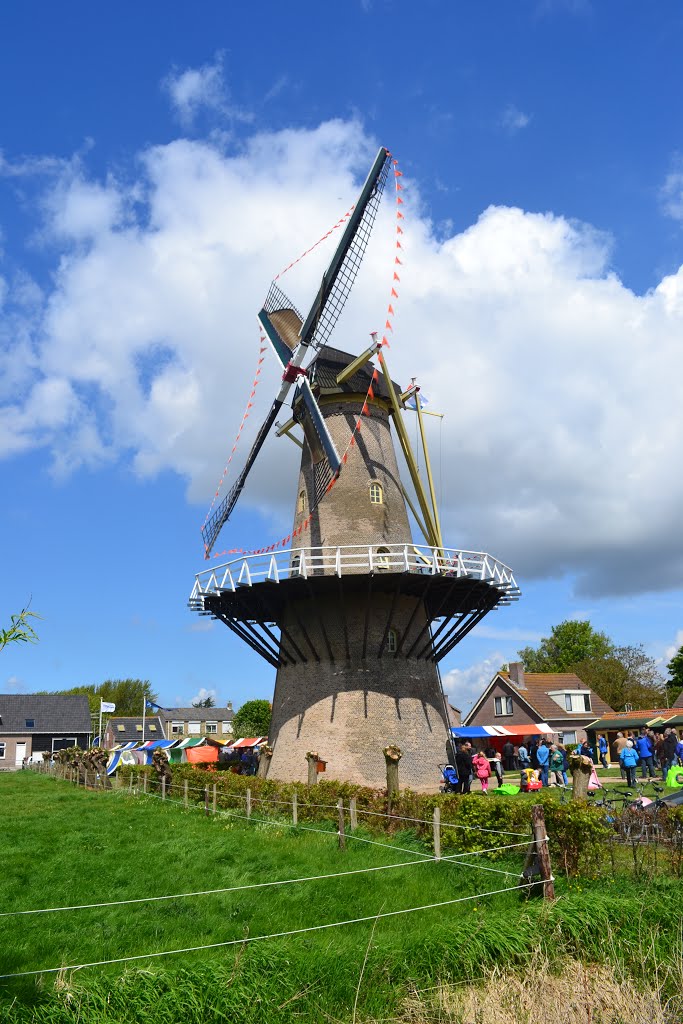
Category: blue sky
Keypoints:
(159, 164)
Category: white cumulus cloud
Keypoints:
(561, 389)
(513, 119)
(463, 686)
(202, 89)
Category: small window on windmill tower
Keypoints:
(392, 641)
(376, 494)
(302, 502)
(382, 560)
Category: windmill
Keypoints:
(354, 616)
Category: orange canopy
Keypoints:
(201, 755)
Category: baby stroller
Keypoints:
(449, 779)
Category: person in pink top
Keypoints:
(482, 769)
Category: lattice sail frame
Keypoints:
(322, 317)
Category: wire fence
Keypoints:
(187, 797)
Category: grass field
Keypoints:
(64, 846)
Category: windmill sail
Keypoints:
(215, 523)
(339, 277)
(290, 338)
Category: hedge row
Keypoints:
(578, 831)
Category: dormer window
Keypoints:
(376, 494)
(575, 702)
(30, 723)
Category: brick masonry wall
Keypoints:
(346, 515)
(348, 709)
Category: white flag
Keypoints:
(106, 706)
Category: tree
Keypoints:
(568, 644)
(674, 684)
(627, 676)
(207, 702)
(127, 694)
(252, 719)
(21, 630)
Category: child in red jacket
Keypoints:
(482, 769)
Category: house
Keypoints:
(129, 728)
(532, 703)
(33, 723)
(179, 722)
(170, 724)
(657, 719)
(454, 715)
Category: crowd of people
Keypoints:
(652, 751)
(550, 761)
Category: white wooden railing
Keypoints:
(285, 564)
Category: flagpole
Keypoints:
(144, 708)
(99, 734)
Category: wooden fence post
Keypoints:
(353, 817)
(163, 787)
(185, 787)
(392, 755)
(312, 759)
(144, 783)
(541, 840)
(437, 833)
(206, 801)
(248, 803)
(342, 835)
(214, 798)
(295, 809)
(542, 851)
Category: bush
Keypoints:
(577, 831)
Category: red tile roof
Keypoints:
(539, 684)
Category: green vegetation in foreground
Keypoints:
(68, 846)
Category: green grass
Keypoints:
(64, 846)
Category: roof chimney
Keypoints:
(516, 671)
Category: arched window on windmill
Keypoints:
(302, 503)
(382, 560)
(376, 493)
(392, 641)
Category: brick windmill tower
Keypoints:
(354, 615)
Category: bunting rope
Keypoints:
(370, 395)
(245, 417)
(323, 238)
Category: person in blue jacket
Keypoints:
(646, 755)
(602, 751)
(543, 757)
(629, 759)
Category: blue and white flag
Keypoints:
(411, 403)
(151, 706)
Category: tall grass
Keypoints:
(66, 846)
